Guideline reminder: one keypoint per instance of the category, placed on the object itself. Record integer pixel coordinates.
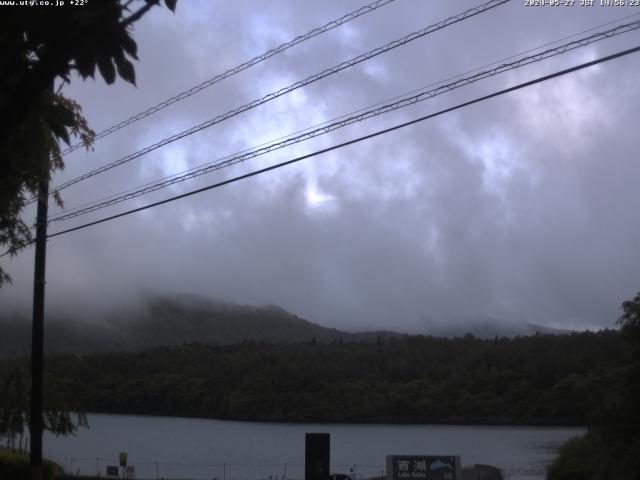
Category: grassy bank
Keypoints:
(597, 457)
(15, 466)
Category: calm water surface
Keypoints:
(166, 447)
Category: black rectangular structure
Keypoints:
(113, 471)
(316, 456)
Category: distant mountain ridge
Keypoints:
(178, 319)
(174, 320)
(488, 327)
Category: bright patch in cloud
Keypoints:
(561, 110)
(316, 198)
(376, 70)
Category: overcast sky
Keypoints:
(523, 207)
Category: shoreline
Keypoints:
(354, 423)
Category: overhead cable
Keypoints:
(344, 116)
(351, 142)
(283, 91)
(379, 110)
(237, 69)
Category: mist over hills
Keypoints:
(177, 319)
(488, 327)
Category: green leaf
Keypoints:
(58, 128)
(171, 4)
(64, 114)
(126, 70)
(129, 45)
(107, 70)
(57, 117)
(86, 67)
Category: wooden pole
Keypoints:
(37, 332)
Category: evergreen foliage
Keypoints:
(611, 447)
(539, 380)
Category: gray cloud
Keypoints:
(520, 208)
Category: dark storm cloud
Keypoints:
(519, 208)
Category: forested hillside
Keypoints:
(177, 319)
(527, 380)
(170, 320)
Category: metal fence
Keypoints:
(162, 470)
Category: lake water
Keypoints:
(165, 447)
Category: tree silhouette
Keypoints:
(630, 318)
(60, 401)
(40, 46)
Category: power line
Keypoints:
(360, 110)
(272, 96)
(237, 69)
(249, 153)
(353, 141)
(363, 109)
(386, 108)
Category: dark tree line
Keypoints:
(539, 380)
(611, 447)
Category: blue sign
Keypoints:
(423, 467)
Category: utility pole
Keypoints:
(37, 330)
